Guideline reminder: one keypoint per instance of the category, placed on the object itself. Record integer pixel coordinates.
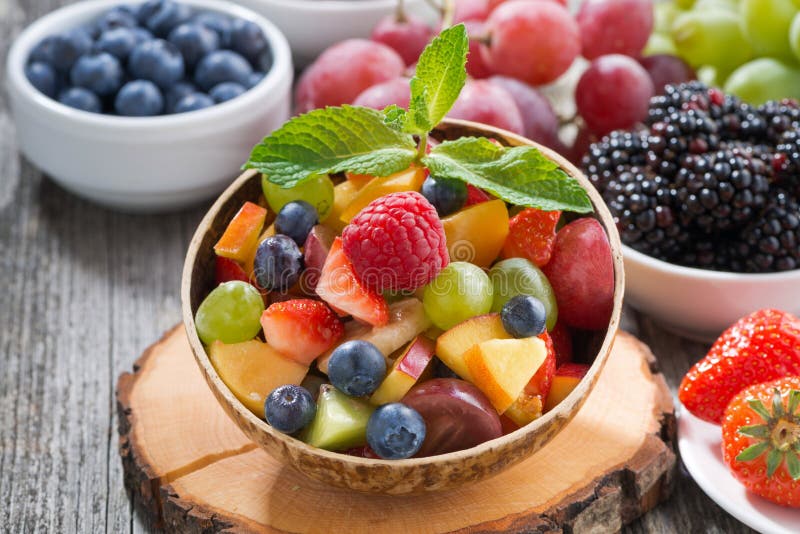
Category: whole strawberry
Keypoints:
(761, 439)
(396, 243)
(763, 346)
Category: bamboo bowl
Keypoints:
(415, 475)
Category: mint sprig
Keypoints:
(380, 143)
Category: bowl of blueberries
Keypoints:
(149, 106)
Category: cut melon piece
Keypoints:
(340, 422)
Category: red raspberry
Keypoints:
(396, 243)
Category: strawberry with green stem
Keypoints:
(761, 440)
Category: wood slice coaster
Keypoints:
(192, 469)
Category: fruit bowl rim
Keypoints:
(665, 267)
(570, 405)
(25, 42)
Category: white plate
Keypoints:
(700, 445)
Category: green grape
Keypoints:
(664, 14)
(711, 37)
(766, 24)
(685, 4)
(710, 76)
(764, 79)
(707, 5)
(794, 36)
(460, 291)
(231, 313)
(659, 43)
(518, 276)
(316, 190)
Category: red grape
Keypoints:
(394, 91)
(665, 69)
(535, 42)
(470, 10)
(539, 121)
(615, 26)
(481, 101)
(407, 36)
(613, 94)
(476, 67)
(343, 71)
(494, 3)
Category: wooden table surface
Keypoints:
(83, 291)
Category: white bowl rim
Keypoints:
(31, 35)
(704, 274)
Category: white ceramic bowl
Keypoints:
(145, 163)
(701, 304)
(313, 25)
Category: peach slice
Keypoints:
(477, 234)
(241, 236)
(451, 345)
(405, 371)
(252, 369)
(409, 180)
(343, 195)
(567, 378)
(502, 367)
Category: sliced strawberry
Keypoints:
(539, 384)
(476, 196)
(760, 347)
(301, 329)
(339, 287)
(226, 270)
(531, 235)
(562, 342)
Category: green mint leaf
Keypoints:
(440, 75)
(332, 140)
(521, 175)
(394, 116)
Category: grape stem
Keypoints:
(400, 12)
(448, 12)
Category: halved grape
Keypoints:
(518, 276)
(460, 291)
(231, 313)
(317, 191)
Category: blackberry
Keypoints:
(640, 204)
(720, 191)
(780, 117)
(786, 161)
(772, 241)
(680, 132)
(619, 149)
(713, 253)
(678, 97)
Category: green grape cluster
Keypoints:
(751, 48)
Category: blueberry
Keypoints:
(278, 263)
(119, 17)
(139, 98)
(193, 102)
(158, 61)
(254, 79)
(148, 9)
(221, 24)
(222, 66)
(99, 72)
(248, 39)
(167, 17)
(524, 316)
(142, 34)
(43, 77)
(446, 195)
(264, 60)
(226, 91)
(356, 368)
(395, 431)
(194, 41)
(296, 219)
(289, 408)
(43, 51)
(175, 93)
(80, 98)
(67, 47)
(119, 42)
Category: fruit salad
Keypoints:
(749, 383)
(157, 57)
(391, 297)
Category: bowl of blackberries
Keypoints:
(147, 106)
(706, 197)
